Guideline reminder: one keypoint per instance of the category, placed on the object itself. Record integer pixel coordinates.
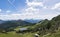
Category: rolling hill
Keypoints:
(11, 24)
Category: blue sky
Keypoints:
(9, 4)
(29, 9)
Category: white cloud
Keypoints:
(32, 10)
(8, 11)
(9, 17)
(34, 3)
(17, 16)
(26, 16)
(0, 10)
(31, 6)
(56, 6)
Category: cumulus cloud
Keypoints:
(37, 12)
(56, 6)
(35, 4)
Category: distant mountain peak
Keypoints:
(33, 20)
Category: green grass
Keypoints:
(57, 34)
(13, 34)
(28, 34)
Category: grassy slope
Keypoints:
(57, 34)
(13, 34)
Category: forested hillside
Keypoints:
(48, 26)
(11, 25)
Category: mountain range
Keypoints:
(33, 20)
